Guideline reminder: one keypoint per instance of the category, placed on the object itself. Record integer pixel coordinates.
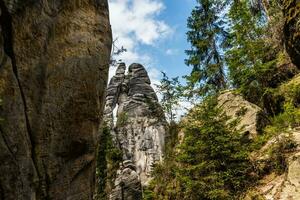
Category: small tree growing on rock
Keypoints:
(169, 89)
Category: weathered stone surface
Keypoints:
(127, 183)
(54, 59)
(291, 10)
(287, 185)
(140, 127)
(251, 118)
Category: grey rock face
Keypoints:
(140, 128)
(127, 183)
(54, 59)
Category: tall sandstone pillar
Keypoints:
(54, 57)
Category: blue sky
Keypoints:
(153, 32)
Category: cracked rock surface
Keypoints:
(54, 59)
(287, 185)
(139, 129)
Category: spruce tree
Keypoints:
(246, 49)
(256, 59)
(207, 35)
(213, 162)
(169, 88)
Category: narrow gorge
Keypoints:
(67, 132)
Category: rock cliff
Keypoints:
(291, 10)
(138, 129)
(54, 59)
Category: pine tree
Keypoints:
(207, 35)
(169, 89)
(256, 59)
(213, 162)
(250, 59)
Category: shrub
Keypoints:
(122, 119)
(108, 158)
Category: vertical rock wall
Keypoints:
(54, 59)
(291, 11)
(139, 130)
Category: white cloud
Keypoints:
(135, 23)
(172, 51)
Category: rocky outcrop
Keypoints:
(251, 118)
(127, 184)
(139, 130)
(54, 59)
(291, 10)
(287, 185)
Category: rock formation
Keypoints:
(54, 59)
(251, 118)
(291, 10)
(286, 185)
(139, 130)
(281, 151)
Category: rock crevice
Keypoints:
(54, 59)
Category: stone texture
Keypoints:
(251, 118)
(140, 128)
(54, 59)
(287, 185)
(127, 183)
(291, 10)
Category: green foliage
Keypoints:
(249, 66)
(170, 91)
(207, 36)
(155, 108)
(277, 153)
(256, 59)
(290, 118)
(122, 119)
(292, 94)
(211, 163)
(108, 158)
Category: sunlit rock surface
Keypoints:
(287, 185)
(139, 128)
(251, 118)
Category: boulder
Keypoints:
(251, 118)
(127, 183)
